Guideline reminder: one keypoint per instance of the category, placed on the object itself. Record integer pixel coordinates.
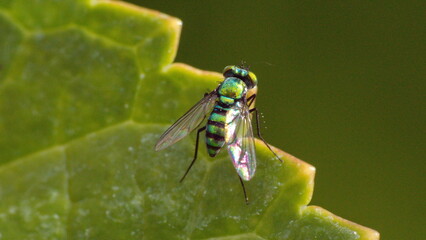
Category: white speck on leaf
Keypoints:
(87, 232)
(12, 210)
(83, 212)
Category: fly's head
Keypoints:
(242, 73)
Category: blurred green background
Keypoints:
(341, 86)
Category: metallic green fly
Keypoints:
(229, 123)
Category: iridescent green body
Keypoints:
(229, 122)
(229, 108)
(229, 93)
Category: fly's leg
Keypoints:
(195, 153)
(244, 190)
(250, 101)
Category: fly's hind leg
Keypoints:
(250, 101)
(244, 190)
(195, 153)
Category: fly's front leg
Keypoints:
(250, 101)
(195, 153)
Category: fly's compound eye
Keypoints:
(252, 79)
(228, 71)
(249, 79)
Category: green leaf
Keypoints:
(86, 89)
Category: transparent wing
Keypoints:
(188, 122)
(241, 146)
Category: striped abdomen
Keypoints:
(215, 132)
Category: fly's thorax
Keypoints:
(232, 88)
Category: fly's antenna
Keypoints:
(244, 65)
